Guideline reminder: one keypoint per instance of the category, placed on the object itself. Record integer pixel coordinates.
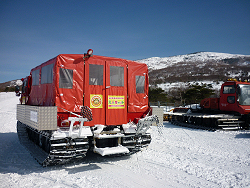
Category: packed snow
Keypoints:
(176, 157)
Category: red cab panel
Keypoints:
(116, 90)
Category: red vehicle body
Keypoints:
(234, 97)
(231, 111)
(115, 89)
(58, 94)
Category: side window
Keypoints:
(231, 99)
(116, 76)
(24, 86)
(139, 83)
(47, 74)
(95, 74)
(229, 89)
(66, 78)
(35, 77)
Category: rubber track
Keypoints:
(182, 124)
(193, 126)
(136, 142)
(38, 153)
(46, 159)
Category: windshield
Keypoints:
(244, 94)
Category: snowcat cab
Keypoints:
(234, 97)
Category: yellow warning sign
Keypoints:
(116, 102)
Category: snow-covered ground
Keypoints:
(177, 157)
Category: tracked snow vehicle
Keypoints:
(231, 111)
(75, 103)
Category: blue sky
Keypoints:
(32, 32)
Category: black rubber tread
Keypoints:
(45, 154)
(211, 124)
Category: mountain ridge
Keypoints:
(198, 66)
(161, 62)
(11, 83)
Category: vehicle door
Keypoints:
(94, 90)
(116, 92)
(106, 91)
(228, 98)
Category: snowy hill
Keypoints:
(155, 63)
(209, 67)
(176, 157)
(10, 84)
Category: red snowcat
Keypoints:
(75, 103)
(231, 111)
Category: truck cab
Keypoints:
(235, 97)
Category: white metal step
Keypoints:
(111, 150)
